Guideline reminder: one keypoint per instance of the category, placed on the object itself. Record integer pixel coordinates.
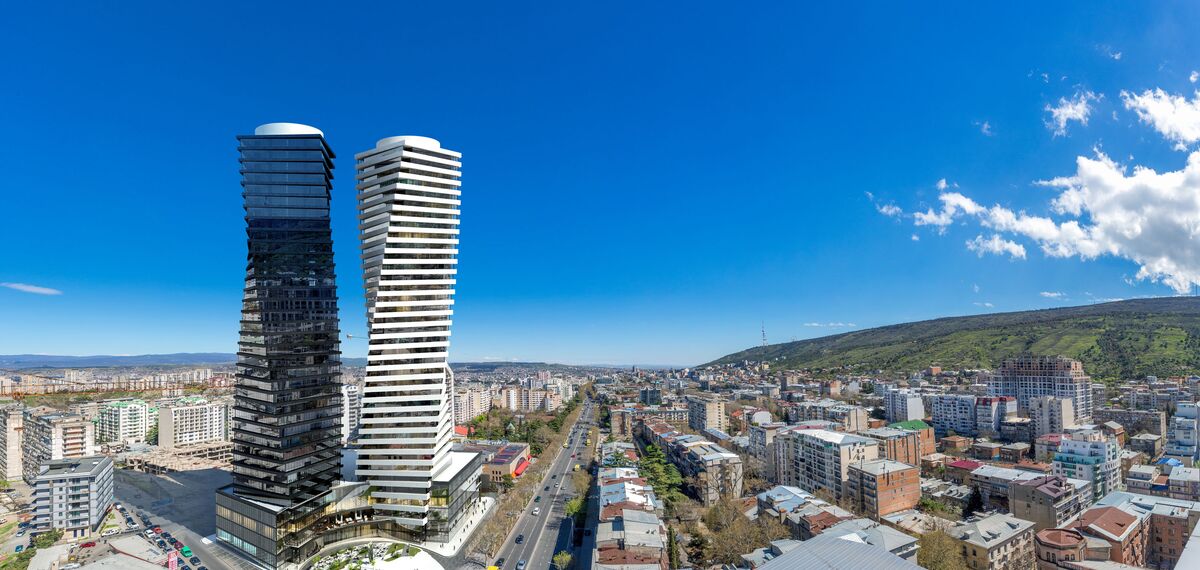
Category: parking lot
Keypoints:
(182, 505)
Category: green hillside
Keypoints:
(1119, 340)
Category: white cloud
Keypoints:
(35, 289)
(1144, 216)
(1173, 116)
(1077, 108)
(889, 210)
(953, 203)
(975, 287)
(834, 325)
(996, 245)
(985, 127)
(984, 304)
(1194, 76)
(915, 237)
(941, 184)
(1053, 294)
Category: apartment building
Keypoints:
(1183, 435)
(706, 413)
(72, 495)
(522, 399)
(882, 486)
(13, 418)
(1051, 415)
(1048, 501)
(49, 435)
(123, 421)
(624, 419)
(903, 405)
(953, 414)
(714, 471)
(193, 421)
(991, 412)
(1029, 377)
(925, 434)
(896, 444)
(470, 403)
(351, 411)
(1148, 444)
(816, 459)
(1150, 421)
(1092, 456)
(851, 418)
(996, 542)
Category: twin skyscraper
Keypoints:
(288, 500)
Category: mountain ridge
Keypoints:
(1115, 340)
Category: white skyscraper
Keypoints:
(408, 198)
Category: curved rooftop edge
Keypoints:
(411, 140)
(286, 129)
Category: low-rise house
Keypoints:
(996, 542)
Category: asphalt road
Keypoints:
(542, 532)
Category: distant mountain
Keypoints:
(19, 361)
(1118, 340)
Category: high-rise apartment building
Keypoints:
(814, 459)
(50, 434)
(287, 405)
(1029, 377)
(470, 403)
(13, 418)
(707, 413)
(903, 405)
(953, 414)
(991, 412)
(351, 411)
(1051, 415)
(408, 200)
(193, 421)
(72, 495)
(123, 421)
(1092, 456)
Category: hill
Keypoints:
(1118, 340)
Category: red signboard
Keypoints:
(172, 561)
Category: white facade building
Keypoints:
(193, 422)
(1092, 456)
(122, 421)
(903, 405)
(72, 495)
(1030, 377)
(408, 200)
(351, 411)
(1051, 415)
(953, 413)
(50, 434)
(470, 403)
(13, 418)
(1183, 432)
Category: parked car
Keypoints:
(158, 530)
(162, 544)
(166, 535)
(20, 548)
(187, 552)
(71, 566)
(149, 532)
(499, 563)
(21, 532)
(88, 544)
(110, 532)
(194, 560)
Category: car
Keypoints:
(546, 488)
(187, 552)
(110, 532)
(194, 560)
(88, 544)
(520, 538)
(21, 532)
(183, 567)
(537, 499)
(202, 568)
(20, 548)
(22, 525)
(537, 511)
(499, 563)
(520, 565)
(555, 476)
(71, 566)
(158, 530)
(173, 541)
(166, 535)
(149, 532)
(162, 544)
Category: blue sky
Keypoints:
(642, 183)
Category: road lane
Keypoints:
(538, 547)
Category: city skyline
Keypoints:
(936, 179)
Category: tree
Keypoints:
(507, 483)
(879, 413)
(152, 435)
(974, 502)
(562, 560)
(672, 549)
(939, 551)
(868, 389)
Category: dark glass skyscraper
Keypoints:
(287, 399)
(287, 407)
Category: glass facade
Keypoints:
(287, 406)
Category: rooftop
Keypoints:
(991, 530)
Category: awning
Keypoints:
(520, 467)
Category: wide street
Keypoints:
(544, 533)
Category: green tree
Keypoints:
(940, 551)
(672, 549)
(868, 389)
(562, 560)
(152, 435)
(974, 502)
